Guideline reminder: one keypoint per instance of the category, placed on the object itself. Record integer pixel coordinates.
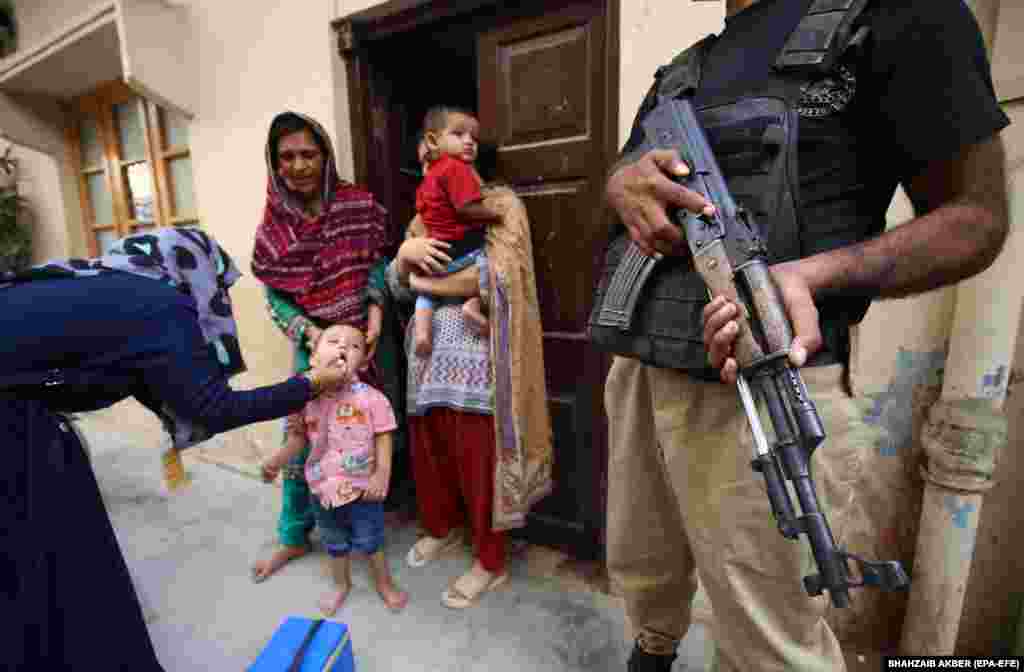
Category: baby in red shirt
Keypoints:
(450, 203)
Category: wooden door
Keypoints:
(542, 102)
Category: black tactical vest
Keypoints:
(753, 133)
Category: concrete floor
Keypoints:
(189, 554)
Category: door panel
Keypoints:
(542, 104)
(561, 288)
(549, 67)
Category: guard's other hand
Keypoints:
(643, 191)
(721, 327)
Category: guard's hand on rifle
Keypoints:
(642, 192)
(721, 328)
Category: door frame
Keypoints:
(355, 33)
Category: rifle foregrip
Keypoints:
(715, 269)
(776, 331)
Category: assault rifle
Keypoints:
(731, 257)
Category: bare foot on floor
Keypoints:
(262, 570)
(332, 601)
(394, 599)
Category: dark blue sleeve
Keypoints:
(118, 335)
(181, 373)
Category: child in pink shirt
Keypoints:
(348, 468)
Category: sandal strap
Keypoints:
(442, 544)
(472, 595)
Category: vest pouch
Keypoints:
(754, 141)
(741, 149)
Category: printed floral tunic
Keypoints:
(341, 428)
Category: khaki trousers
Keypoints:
(683, 501)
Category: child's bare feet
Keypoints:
(341, 575)
(472, 310)
(423, 332)
(263, 569)
(394, 598)
(331, 602)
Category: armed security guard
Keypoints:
(816, 111)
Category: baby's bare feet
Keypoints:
(394, 598)
(472, 310)
(422, 333)
(332, 601)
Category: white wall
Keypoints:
(39, 184)
(253, 65)
(652, 33)
(254, 62)
(37, 19)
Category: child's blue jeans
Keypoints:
(357, 526)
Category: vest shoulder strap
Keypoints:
(822, 36)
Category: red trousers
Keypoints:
(453, 457)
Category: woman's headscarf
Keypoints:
(187, 259)
(324, 261)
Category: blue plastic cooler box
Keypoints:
(329, 649)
